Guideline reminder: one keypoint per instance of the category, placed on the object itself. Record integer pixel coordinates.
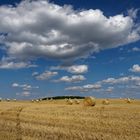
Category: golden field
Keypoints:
(55, 120)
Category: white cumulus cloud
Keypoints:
(7, 63)
(109, 89)
(136, 49)
(135, 68)
(77, 69)
(34, 29)
(74, 79)
(25, 93)
(126, 82)
(85, 88)
(24, 86)
(46, 75)
(74, 69)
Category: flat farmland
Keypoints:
(56, 120)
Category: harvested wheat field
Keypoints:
(56, 120)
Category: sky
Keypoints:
(75, 47)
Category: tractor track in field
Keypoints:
(16, 111)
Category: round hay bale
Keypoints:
(66, 99)
(37, 101)
(8, 100)
(14, 100)
(40, 99)
(76, 101)
(105, 102)
(89, 101)
(69, 102)
(128, 100)
(32, 101)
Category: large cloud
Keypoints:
(35, 29)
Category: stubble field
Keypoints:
(55, 120)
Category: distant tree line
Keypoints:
(63, 97)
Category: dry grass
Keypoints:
(56, 120)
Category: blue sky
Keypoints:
(75, 47)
